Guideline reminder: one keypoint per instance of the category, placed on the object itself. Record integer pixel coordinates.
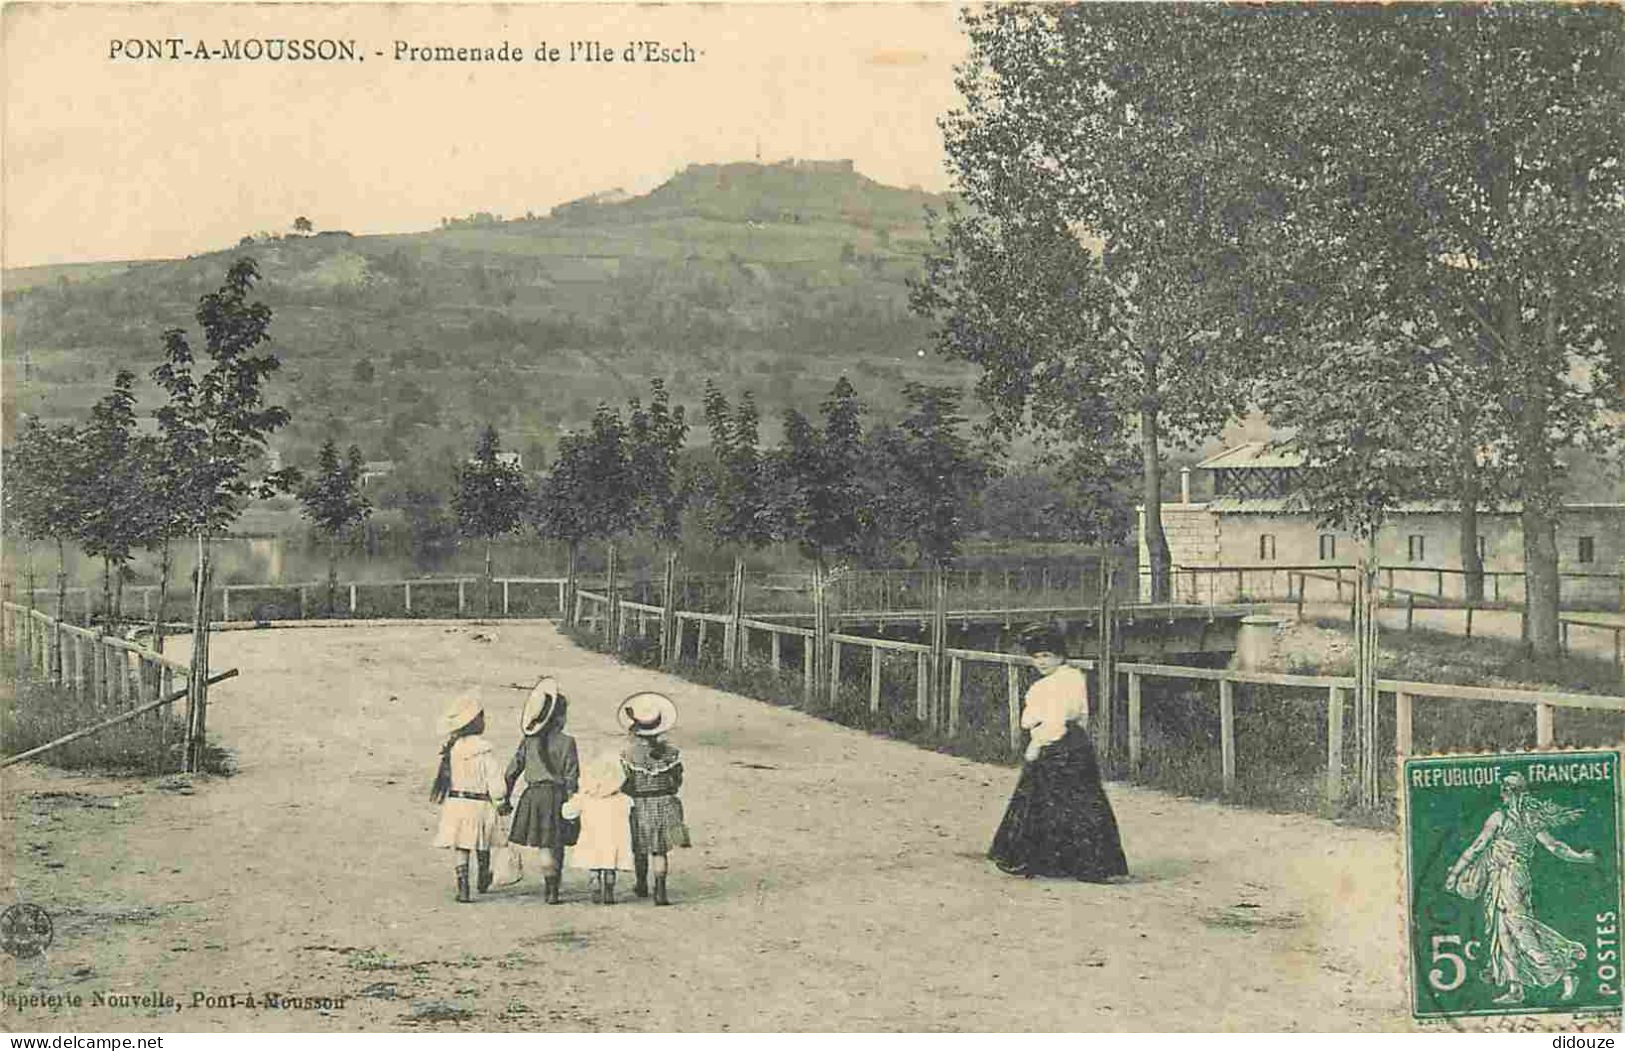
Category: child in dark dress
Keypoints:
(547, 758)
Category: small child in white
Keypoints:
(605, 844)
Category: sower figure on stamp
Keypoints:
(547, 758)
(1059, 822)
(468, 787)
(1496, 868)
(654, 773)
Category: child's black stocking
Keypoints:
(640, 866)
(609, 886)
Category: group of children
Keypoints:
(620, 810)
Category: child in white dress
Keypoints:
(605, 843)
(469, 788)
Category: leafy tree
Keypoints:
(214, 427)
(302, 225)
(654, 440)
(739, 511)
(490, 499)
(43, 501)
(1460, 215)
(588, 494)
(334, 503)
(114, 488)
(928, 474)
(1093, 271)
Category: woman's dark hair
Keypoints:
(442, 777)
(1043, 638)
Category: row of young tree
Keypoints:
(1399, 232)
(838, 491)
(111, 488)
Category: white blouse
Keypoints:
(1058, 698)
(474, 768)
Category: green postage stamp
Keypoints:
(1512, 870)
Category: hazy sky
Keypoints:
(111, 158)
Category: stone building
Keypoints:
(1250, 525)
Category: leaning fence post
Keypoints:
(1227, 734)
(1134, 723)
(875, 654)
(1334, 745)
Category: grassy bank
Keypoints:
(34, 712)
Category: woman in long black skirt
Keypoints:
(1059, 822)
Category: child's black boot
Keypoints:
(462, 884)
(609, 887)
(660, 891)
(484, 859)
(595, 888)
(640, 866)
(550, 889)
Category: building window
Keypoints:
(1328, 546)
(1416, 547)
(1266, 547)
(1588, 549)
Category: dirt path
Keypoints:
(837, 881)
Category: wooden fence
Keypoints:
(944, 712)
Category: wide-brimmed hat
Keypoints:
(541, 706)
(1044, 638)
(602, 775)
(647, 714)
(460, 712)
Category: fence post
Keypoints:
(807, 644)
(504, 598)
(352, 600)
(922, 685)
(1334, 745)
(955, 681)
(1227, 734)
(775, 636)
(408, 585)
(461, 598)
(875, 654)
(699, 647)
(146, 603)
(1469, 621)
(834, 670)
(304, 603)
(1543, 725)
(1410, 612)
(1134, 723)
(1402, 723)
(1564, 640)
(225, 603)
(1300, 595)
(1012, 700)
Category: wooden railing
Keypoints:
(592, 608)
(107, 669)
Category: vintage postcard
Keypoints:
(799, 517)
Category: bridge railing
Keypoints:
(872, 664)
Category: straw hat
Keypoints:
(460, 713)
(602, 776)
(540, 707)
(647, 714)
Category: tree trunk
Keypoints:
(332, 574)
(1367, 605)
(107, 595)
(163, 597)
(118, 593)
(198, 689)
(1156, 541)
(53, 645)
(1542, 629)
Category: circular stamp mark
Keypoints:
(25, 930)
